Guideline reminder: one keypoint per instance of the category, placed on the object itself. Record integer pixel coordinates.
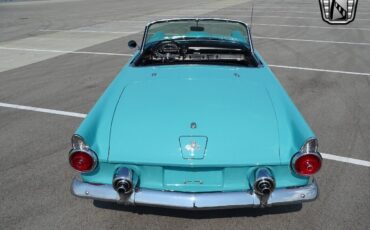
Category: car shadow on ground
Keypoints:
(200, 214)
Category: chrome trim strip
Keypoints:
(304, 148)
(195, 200)
(78, 142)
(92, 191)
(183, 200)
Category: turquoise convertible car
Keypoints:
(195, 120)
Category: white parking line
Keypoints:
(267, 7)
(129, 55)
(320, 70)
(264, 11)
(63, 51)
(92, 31)
(314, 7)
(254, 16)
(299, 12)
(81, 115)
(317, 41)
(258, 37)
(312, 18)
(42, 110)
(315, 27)
(346, 159)
(58, 41)
(317, 7)
(254, 24)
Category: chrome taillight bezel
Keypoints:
(310, 147)
(78, 142)
(299, 155)
(79, 145)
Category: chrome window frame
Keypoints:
(199, 19)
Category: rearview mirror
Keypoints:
(132, 44)
(197, 28)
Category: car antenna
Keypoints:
(252, 17)
(250, 30)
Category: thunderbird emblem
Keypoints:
(192, 147)
(338, 11)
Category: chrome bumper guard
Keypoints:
(182, 200)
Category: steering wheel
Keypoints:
(166, 48)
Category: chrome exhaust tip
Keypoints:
(264, 185)
(123, 187)
(122, 181)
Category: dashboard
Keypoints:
(193, 52)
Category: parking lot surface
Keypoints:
(58, 56)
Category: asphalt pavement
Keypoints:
(60, 55)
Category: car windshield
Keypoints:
(197, 29)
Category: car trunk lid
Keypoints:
(182, 120)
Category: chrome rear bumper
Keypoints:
(182, 200)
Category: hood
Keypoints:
(198, 121)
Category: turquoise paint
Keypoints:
(153, 113)
(193, 179)
(193, 147)
(156, 178)
(138, 120)
(294, 131)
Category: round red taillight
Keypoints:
(82, 161)
(307, 164)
